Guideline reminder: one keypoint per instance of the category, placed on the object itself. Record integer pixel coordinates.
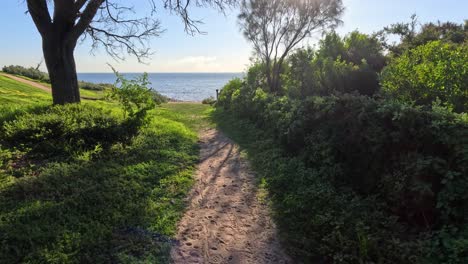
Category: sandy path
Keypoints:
(226, 222)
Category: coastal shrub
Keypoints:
(94, 86)
(339, 65)
(61, 131)
(210, 100)
(402, 162)
(225, 95)
(427, 73)
(27, 72)
(134, 96)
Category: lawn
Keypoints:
(79, 184)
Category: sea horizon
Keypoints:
(181, 86)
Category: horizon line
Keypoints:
(162, 72)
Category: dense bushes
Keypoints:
(62, 131)
(431, 72)
(27, 72)
(376, 160)
(340, 65)
(94, 86)
(357, 174)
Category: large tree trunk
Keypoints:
(60, 61)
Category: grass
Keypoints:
(193, 115)
(111, 201)
(15, 93)
(83, 92)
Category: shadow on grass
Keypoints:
(117, 207)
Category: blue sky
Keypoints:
(222, 49)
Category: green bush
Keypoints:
(225, 95)
(210, 100)
(134, 95)
(94, 86)
(340, 65)
(27, 72)
(403, 168)
(431, 72)
(61, 131)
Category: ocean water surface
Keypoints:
(179, 86)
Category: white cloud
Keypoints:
(195, 64)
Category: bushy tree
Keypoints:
(340, 65)
(276, 27)
(413, 35)
(431, 72)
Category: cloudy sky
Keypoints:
(221, 49)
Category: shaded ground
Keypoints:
(226, 221)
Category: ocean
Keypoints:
(179, 86)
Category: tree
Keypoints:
(413, 34)
(276, 27)
(108, 24)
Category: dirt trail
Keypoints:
(226, 222)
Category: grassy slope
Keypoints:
(83, 92)
(15, 93)
(97, 206)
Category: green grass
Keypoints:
(83, 92)
(111, 201)
(193, 115)
(15, 93)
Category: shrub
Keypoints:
(210, 100)
(391, 160)
(340, 65)
(225, 95)
(94, 86)
(159, 98)
(60, 131)
(133, 95)
(430, 72)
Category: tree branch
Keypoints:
(85, 19)
(40, 15)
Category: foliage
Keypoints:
(276, 27)
(431, 72)
(59, 132)
(355, 179)
(31, 72)
(411, 36)
(210, 100)
(94, 86)
(340, 65)
(134, 95)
